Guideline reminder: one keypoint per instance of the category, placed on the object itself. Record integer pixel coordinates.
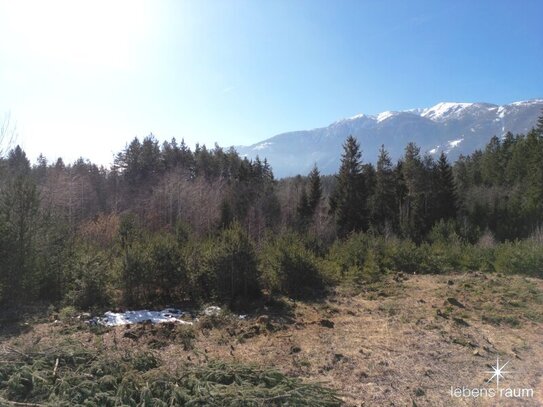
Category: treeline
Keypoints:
(167, 224)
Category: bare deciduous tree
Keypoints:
(8, 135)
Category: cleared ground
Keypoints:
(404, 341)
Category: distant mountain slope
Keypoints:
(456, 128)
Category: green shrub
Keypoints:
(477, 258)
(370, 270)
(522, 257)
(350, 253)
(89, 281)
(224, 268)
(168, 270)
(444, 257)
(405, 256)
(135, 273)
(67, 313)
(154, 271)
(360, 258)
(288, 267)
(444, 232)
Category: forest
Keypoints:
(166, 224)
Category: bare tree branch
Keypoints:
(8, 135)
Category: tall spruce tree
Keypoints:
(315, 189)
(19, 211)
(412, 219)
(384, 203)
(533, 193)
(445, 190)
(348, 200)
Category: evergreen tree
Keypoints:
(19, 216)
(445, 190)
(412, 205)
(348, 200)
(533, 192)
(384, 203)
(227, 216)
(492, 163)
(315, 189)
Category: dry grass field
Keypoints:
(405, 341)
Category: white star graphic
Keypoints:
(497, 372)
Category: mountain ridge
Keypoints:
(453, 127)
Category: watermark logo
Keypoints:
(497, 373)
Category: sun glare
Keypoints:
(82, 35)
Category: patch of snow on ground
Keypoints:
(140, 316)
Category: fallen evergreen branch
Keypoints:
(73, 376)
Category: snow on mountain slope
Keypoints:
(445, 110)
(455, 128)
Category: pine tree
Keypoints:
(445, 190)
(315, 189)
(227, 216)
(19, 215)
(384, 203)
(348, 200)
(412, 205)
(539, 126)
(492, 163)
(533, 192)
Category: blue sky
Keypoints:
(83, 78)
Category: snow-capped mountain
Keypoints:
(456, 128)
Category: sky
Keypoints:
(83, 78)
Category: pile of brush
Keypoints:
(70, 375)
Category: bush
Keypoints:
(89, 280)
(288, 267)
(477, 258)
(169, 270)
(154, 271)
(444, 232)
(135, 271)
(445, 257)
(68, 313)
(224, 268)
(523, 257)
(405, 256)
(359, 258)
